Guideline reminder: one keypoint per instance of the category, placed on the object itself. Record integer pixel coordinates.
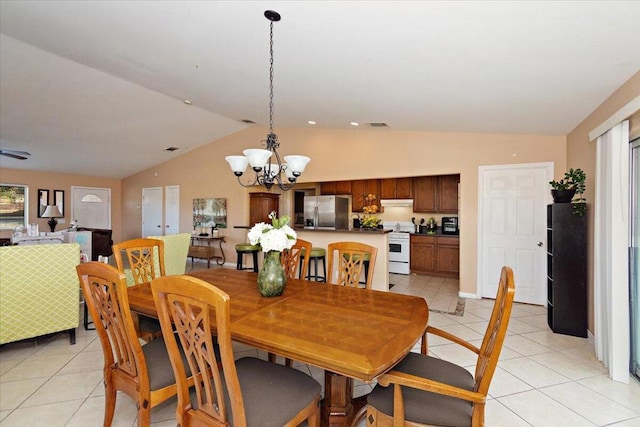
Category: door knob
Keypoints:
(540, 244)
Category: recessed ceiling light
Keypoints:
(171, 149)
(311, 122)
(186, 101)
(247, 121)
(354, 124)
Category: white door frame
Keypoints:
(78, 187)
(549, 166)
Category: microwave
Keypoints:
(449, 225)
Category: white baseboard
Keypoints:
(468, 295)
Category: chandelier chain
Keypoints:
(271, 78)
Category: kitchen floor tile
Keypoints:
(538, 409)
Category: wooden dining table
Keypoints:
(350, 333)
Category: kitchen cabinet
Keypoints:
(261, 205)
(422, 254)
(360, 189)
(448, 256)
(436, 194)
(424, 194)
(566, 270)
(448, 193)
(435, 255)
(328, 188)
(396, 188)
(332, 188)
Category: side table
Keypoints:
(204, 247)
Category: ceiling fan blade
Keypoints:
(20, 155)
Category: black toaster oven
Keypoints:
(450, 225)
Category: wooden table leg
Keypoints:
(337, 409)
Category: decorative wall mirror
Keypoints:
(43, 201)
(58, 200)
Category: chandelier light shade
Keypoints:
(266, 163)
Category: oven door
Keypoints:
(398, 255)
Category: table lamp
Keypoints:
(52, 212)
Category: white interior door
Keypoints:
(91, 207)
(172, 209)
(512, 228)
(152, 211)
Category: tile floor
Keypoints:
(543, 379)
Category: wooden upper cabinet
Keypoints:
(388, 188)
(436, 193)
(343, 187)
(404, 188)
(360, 189)
(335, 187)
(448, 193)
(424, 194)
(328, 188)
(261, 205)
(396, 188)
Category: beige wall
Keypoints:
(345, 154)
(57, 181)
(581, 153)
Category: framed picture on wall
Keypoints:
(58, 200)
(43, 201)
(208, 213)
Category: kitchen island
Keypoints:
(378, 238)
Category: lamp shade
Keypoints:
(297, 163)
(52, 211)
(257, 157)
(238, 163)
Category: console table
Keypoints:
(204, 247)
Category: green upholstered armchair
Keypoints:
(176, 248)
(39, 291)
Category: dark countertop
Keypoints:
(437, 234)
(355, 230)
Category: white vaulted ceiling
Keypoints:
(83, 83)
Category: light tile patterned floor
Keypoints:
(543, 379)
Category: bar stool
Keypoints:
(315, 255)
(247, 248)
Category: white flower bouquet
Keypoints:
(276, 236)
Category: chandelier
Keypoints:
(266, 172)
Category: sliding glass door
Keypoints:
(634, 258)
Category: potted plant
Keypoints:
(572, 184)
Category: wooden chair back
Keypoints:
(496, 332)
(349, 258)
(140, 255)
(191, 306)
(290, 259)
(125, 366)
(487, 361)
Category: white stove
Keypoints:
(399, 245)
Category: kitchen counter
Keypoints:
(355, 230)
(437, 234)
(377, 238)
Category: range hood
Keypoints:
(397, 202)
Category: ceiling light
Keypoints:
(354, 124)
(311, 122)
(268, 173)
(186, 101)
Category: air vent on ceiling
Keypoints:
(377, 125)
(247, 121)
(171, 149)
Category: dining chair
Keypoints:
(145, 261)
(141, 371)
(425, 390)
(252, 391)
(350, 259)
(294, 261)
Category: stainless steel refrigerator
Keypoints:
(326, 212)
